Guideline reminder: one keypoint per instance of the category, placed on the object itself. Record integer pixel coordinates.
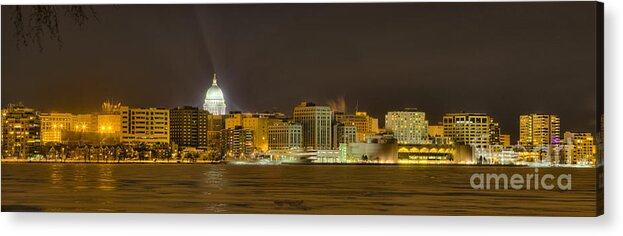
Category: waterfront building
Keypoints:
(189, 127)
(579, 148)
(54, 125)
(237, 142)
(316, 121)
(435, 154)
(285, 136)
(69, 128)
(468, 128)
(144, 125)
(378, 148)
(328, 156)
(215, 101)
(343, 134)
(21, 131)
(408, 127)
(539, 130)
(366, 125)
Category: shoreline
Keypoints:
(107, 162)
(164, 162)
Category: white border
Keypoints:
(203, 224)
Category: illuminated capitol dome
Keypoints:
(215, 102)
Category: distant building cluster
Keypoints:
(314, 133)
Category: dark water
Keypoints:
(289, 189)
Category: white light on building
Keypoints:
(215, 102)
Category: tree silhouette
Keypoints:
(33, 23)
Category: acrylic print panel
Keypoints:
(396, 109)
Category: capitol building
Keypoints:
(215, 102)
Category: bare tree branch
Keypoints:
(44, 20)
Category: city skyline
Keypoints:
(424, 108)
(433, 121)
(385, 64)
(337, 117)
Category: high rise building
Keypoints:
(237, 142)
(538, 130)
(215, 101)
(144, 125)
(580, 148)
(408, 127)
(494, 132)
(316, 122)
(189, 127)
(54, 125)
(285, 136)
(343, 134)
(366, 125)
(21, 131)
(468, 128)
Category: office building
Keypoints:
(494, 132)
(539, 130)
(316, 121)
(366, 125)
(285, 136)
(21, 131)
(189, 127)
(54, 125)
(579, 148)
(343, 134)
(468, 128)
(408, 127)
(144, 125)
(237, 143)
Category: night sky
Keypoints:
(505, 59)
